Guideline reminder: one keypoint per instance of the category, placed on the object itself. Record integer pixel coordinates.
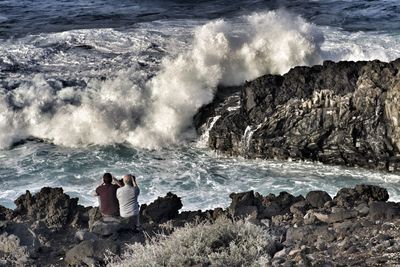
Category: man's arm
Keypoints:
(117, 182)
(134, 181)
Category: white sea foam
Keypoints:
(155, 79)
(342, 45)
(156, 112)
(203, 179)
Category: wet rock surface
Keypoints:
(344, 113)
(357, 227)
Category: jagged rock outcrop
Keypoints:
(260, 207)
(163, 208)
(357, 226)
(344, 113)
(53, 207)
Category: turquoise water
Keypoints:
(202, 178)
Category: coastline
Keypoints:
(338, 113)
(208, 99)
(50, 228)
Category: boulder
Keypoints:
(347, 197)
(339, 216)
(163, 208)
(107, 226)
(246, 211)
(81, 217)
(277, 205)
(244, 204)
(317, 199)
(50, 204)
(363, 209)
(308, 234)
(372, 192)
(83, 235)
(271, 209)
(25, 234)
(300, 208)
(91, 252)
(379, 210)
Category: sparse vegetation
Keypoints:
(223, 242)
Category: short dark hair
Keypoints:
(107, 178)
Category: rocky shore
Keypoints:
(358, 227)
(344, 113)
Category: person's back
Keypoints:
(107, 193)
(128, 199)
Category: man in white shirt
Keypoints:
(128, 200)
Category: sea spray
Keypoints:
(270, 42)
(92, 89)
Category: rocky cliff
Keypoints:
(344, 113)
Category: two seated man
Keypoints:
(119, 198)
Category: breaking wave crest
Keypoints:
(153, 107)
(153, 112)
(220, 54)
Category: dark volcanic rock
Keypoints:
(106, 226)
(51, 205)
(372, 192)
(278, 205)
(300, 208)
(358, 227)
(244, 204)
(348, 196)
(379, 210)
(308, 234)
(91, 252)
(256, 206)
(94, 215)
(163, 208)
(342, 113)
(317, 199)
(5, 214)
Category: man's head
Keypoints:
(107, 178)
(128, 179)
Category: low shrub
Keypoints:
(222, 243)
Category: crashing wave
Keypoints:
(124, 97)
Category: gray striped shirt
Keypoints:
(128, 200)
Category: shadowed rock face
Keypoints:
(345, 113)
(52, 206)
(163, 208)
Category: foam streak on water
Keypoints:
(203, 179)
(124, 78)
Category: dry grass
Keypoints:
(223, 243)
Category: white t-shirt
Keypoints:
(128, 200)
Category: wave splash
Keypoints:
(154, 112)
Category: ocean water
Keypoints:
(93, 86)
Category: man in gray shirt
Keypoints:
(128, 200)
